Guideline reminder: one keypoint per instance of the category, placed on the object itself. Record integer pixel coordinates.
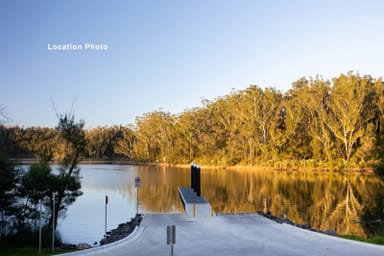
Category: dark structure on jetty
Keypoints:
(194, 204)
(195, 179)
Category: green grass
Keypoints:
(28, 252)
(372, 240)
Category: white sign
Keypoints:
(137, 182)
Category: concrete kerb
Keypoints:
(336, 238)
(131, 237)
(314, 232)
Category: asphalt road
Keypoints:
(228, 235)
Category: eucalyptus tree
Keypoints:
(379, 120)
(349, 111)
(10, 138)
(125, 143)
(205, 125)
(274, 115)
(101, 141)
(37, 185)
(252, 129)
(221, 118)
(312, 97)
(188, 130)
(67, 183)
(41, 141)
(296, 126)
(155, 138)
(260, 122)
(308, 136)
(97, 142)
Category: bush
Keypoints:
(27, 237)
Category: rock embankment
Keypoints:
(304, 226)
(123, 230)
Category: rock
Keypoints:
(123, 230)
(68, 246)
(83, 246)
(331, 232)
(304, 226)
(287, 221)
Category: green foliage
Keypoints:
(9, 180)
(38, 182)
(334, 123)
(28, 237)
(10, 142)
(102, 142)
(155, 137)
(24, 251)
(42, 142)
(22, 196)
(124, 143)
(66, 184)
(372, 240)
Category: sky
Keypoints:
(169, 55)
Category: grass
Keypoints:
(372, 240)
(28, 251)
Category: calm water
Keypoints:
(347, 203)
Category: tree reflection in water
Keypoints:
(348, 203)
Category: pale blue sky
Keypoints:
(169, 54)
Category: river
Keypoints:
(348, 203)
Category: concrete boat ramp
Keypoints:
(200, 232)
(240, 234)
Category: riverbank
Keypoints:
(367, 170)
(122, 231)
(306, 226)
(84, 161)
(280, 166)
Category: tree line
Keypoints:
(335, 123)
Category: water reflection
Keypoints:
(347, 203)
(85, 219)
(159, 188)
(324, 200)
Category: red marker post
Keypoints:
(106, 203)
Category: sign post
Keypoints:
(106, 213)
(137, 185)
(171, 236)
(40, 227)
(53, 221)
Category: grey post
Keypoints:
(171, 236)
(137, 185)
(106, 214)
(53, 221)
(40, 210)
